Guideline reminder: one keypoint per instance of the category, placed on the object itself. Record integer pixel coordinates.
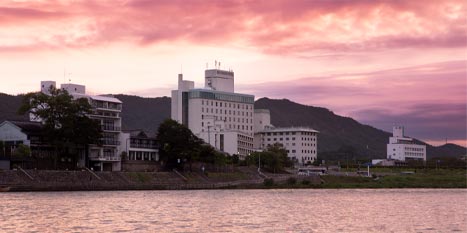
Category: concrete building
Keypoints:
(31, 134)
(301, 143)
(216, 113)
(404, 148)
(139, 146)
(142, 151)
(106, 110)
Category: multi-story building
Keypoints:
(216, 113)
(404, 148)
(301, 143)
(139, 146)
(106, 110)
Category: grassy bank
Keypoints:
(431, 178)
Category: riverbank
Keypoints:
(242, 178)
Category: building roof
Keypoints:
(289, 129)
(137, 133)
(27, 127)
(97, 97)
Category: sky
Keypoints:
(380, 62)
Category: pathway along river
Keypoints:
(305, 210)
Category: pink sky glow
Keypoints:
(380, 62)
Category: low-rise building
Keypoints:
(403, 148)
(301, 143)
(31, 134)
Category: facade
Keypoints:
(15, 133)
(139, 146)
(404, 148)
(301, 143)
(106, 110)
(215, 113)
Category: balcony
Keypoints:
(142, 145)
(105, 158)
(110, 128)
(110, 142)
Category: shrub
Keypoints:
(305, 182)
(291, 180)
(268, 182)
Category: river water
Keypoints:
(310, 210)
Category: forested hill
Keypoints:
(336, 132)
(144, 113)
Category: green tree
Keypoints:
(273, 158)
(22, 151)
(65, 119)
(178, 145)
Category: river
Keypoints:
(286, 210)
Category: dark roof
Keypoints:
(29, 127)
(138, 133)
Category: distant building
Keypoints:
(142, 151)
(106, 110)
(31, 134)
(139, 146)
(404, 148)
(301, 143)
(215, 113)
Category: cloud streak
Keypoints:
(272, 27)
(429, 99)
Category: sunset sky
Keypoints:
(380, 62)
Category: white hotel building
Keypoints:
(216, 113)
(301, 143)
(403, 148)
(106, 110)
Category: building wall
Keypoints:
(211, 113)
(301, 145)
(262, 119)
(219, 80)
(10, 132)
(403, 148)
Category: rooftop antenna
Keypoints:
(215, 64)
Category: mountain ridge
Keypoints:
(336, 131)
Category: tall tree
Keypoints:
(65, 119)
(178, 145)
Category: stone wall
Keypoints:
(140, 166)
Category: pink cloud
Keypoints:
(278, 27)
(430, 99)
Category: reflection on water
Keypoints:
(356, 210)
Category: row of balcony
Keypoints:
(110, 142)
(110, 128)
(105, 158)
(141, 145)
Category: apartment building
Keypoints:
(106, 110)
(301, 143)
(216, 113)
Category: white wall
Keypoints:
(10, 132)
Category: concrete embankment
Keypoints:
(39, 180)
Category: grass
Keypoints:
(139, 176)
(429, 178)
(227, 176)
